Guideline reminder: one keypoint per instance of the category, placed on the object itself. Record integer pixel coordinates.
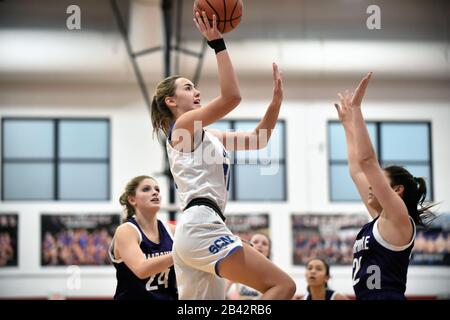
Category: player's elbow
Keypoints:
(141, 274)
(353, 171)
(367, 162)
(234, 99)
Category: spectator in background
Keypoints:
(317, 275)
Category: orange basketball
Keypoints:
(228, 12)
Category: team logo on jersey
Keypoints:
(220, 243)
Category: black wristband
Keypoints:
(217, 44)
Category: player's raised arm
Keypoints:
(260, 136)
(127, 244)
(229, 96)
(345, 114)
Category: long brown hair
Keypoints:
(130, 190)
(161, 115)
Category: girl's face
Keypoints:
(372, 199)
(147, 196)
(316, 273)
(186, 97)
(261, 243)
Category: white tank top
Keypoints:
(202, 173)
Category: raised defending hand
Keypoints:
(203, 25)
(277, 84)
(360, 91)
(351, 100)
(344, 110)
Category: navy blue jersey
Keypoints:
(379, 268)
(329, 295)
(161, 286)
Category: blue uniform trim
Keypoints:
(216, 266)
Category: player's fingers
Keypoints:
(206, 21)
(200, 21)
(275, 71)
(361, 89)
(341, 98)
(214, 22)
(338, 109)
(197, 25)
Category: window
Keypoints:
(258, 174)
(55, 159)
(406, 144)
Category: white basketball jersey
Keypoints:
(202, 173)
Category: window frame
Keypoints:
(284, 162)
(378, 149)
(56, 160)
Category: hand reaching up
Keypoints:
(349, 101)
(203, 25)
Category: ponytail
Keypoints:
(161, 115)
(426, 216)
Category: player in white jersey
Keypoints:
(204, 249)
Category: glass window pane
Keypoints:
(275, 148)
(83, 139)
(31, 139)
(338, 147)
(252, 184)
(342, 186)
(28, 181)
(405, 142)
(83, 181)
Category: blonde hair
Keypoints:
(161, 114)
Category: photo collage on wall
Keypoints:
(8, 240)
(245, 225)
(326, 236)
(75, 239)
(432, 244)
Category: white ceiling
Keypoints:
(309, 38)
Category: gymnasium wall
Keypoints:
(306, 110)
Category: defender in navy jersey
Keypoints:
(141, 250)
(379, 268)
(205, 250)
(394, 199)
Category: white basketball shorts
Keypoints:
(201, 241)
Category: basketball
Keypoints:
(228, 12)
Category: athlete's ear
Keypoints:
(170, 102)
(399, 189)
(132, 200)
